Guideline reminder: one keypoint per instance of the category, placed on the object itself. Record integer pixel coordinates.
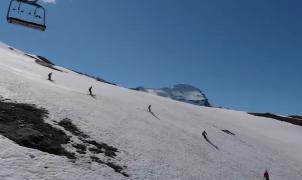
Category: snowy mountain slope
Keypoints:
(169, 148)
(180, 92)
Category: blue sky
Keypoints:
(243, 54)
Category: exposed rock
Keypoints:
(24, 124)
(291, 120)
(44, 62)
(73, 129)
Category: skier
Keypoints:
(204, 134)
(149, 108)
(266, 175)
(49, 76)
(90, 91)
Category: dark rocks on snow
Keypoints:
(73, 129)
(94, 147)
(44, 62)
(101, 148)
(4, 99)
(292, 120)
(24, 124)
(81, 148)
(97, 148)
(296, 116)
(115, 167)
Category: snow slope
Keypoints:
(170, 147)
(180, 92)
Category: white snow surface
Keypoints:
(168, 148)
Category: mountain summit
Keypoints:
(180, 92)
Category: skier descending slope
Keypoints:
(49, 76)
(204, 134)
(90, 91)
(149, 108)
(152, 113)
(266, 175)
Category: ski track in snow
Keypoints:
(169, 148)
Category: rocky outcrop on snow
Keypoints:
(43, 61)
(95, 77)
(296, 120)
(24, 124)
(296, 116)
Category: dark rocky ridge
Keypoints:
(296, 120)
(95, 77)
(296, 116)
(44, 62)
(49, 64)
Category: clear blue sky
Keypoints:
(244, 54)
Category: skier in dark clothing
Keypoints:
(204, 133)
(90, 91)
(152, 113)
(266, 175)
(49, 76)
